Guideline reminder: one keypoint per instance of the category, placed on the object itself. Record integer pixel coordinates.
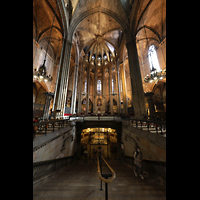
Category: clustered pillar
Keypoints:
(62, 82)
(136, 81)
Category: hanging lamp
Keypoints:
(41, 73)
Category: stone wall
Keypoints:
(63, 143)
(58, 144)
(153, 146)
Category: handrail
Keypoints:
(148, 121)
(42, 144)
(99, 171)
(159, 125)
(43, 126)
(61, 121)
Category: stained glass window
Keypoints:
(85, 85)
(153, 59)
(99, 85)
(112, 85)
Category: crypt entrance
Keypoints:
(96, 140)
(100, 134)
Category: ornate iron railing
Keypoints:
(51, 125)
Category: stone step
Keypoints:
(80, 181)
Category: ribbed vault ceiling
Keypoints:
(99, 38)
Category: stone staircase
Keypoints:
(79, 181)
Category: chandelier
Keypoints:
(41, 74)
(155, 76)
(156, 73)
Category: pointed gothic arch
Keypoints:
(82, 16)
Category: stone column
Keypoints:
(110, 89)
(74, 91)
(88, 89)
(80, 88)
(149, 96)
(125, 100)
(118, 89)
(49, 96)
(95, 90)
(136, 80)
(61, 92)
(55, 101)
(103, 90)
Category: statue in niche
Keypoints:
(99, 102)
(84, 101)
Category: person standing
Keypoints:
(137, 155)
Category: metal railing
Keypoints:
(97, 118)
(159, 126)
(105, 174)
(48, 126)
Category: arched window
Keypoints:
(85, 85)
(153, 59)
(99, 87)
(112, 85)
